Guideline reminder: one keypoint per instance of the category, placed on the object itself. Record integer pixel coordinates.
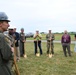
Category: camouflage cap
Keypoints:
(3, 17)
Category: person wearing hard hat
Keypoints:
(50, 46)
(5, 48)
(37, 42)
(14, 36)
(10, 34)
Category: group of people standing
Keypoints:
(6, 47)
(10, 51)
(65, 41)
(37, 42)
(11, 46)
(19, 41)
(15, 42)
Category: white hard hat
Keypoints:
(11, 27)
(37, 29)
(49, 28)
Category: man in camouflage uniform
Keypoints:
(50, 45)
(6, 50)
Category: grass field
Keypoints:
(57, 37)
(43, 65)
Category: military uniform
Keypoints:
(5, 56)
(50, 45)
(6, 51)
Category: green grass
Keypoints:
(57, 37)
(43, 65)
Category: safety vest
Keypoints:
(38, 37)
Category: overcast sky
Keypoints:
(32, 15)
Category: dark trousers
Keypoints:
(22, 48)
(66, 46)
(36, 45)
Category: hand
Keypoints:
(12, 49)
(23, 40)
(15, 41)
(36, 34)
(50, 38)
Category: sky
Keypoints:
(42, 15)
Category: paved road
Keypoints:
(73, 42)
